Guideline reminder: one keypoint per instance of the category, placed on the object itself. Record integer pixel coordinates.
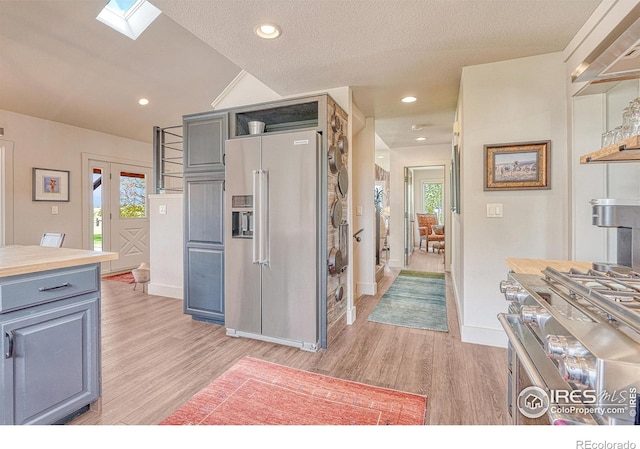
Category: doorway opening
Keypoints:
(425, 218)
(116, 212)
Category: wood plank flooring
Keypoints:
(155, 358)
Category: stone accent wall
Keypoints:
(336, 309)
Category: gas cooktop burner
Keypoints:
(617, 294)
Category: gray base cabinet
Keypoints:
(50, 365)
(205, 284)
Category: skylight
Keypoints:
(129, 17)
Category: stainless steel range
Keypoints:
(574, 347)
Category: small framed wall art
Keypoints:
(50, 185)
(517, 166)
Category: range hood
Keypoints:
(617, 57)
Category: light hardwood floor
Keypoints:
(155, 358)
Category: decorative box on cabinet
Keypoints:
(50, 329)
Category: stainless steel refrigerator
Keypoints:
(272, 238)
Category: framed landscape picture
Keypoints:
(517, 166)
(50, 185)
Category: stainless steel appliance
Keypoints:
(623, 214)
(574, 347)
(272, 244)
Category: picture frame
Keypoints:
(50, 185)
(517, 166)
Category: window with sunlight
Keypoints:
(129, 17)
(432, 199)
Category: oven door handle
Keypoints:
(528, 365)
(523, 356)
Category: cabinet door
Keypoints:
(204, 247)
(204, 201)
(204, 137)
(50, 361)
(204, 277)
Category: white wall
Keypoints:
(510, 101)
(46, 144)
(418, 156)
(364, 260)
(588, 242)
(166, 237)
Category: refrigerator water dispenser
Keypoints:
(242, 220)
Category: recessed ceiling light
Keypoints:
(267, 31)
(380, 157)
(409, 99)
(421, 138)
(143, 102)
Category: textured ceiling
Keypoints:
(384, 49)
(59, 63)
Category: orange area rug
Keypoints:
(254, 392)
(122, 277)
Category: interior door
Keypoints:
(129, 218)
(408, 220)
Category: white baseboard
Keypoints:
(473, 334)
(484, 336)
(165, 290)
(366, 289)
(351, 315)
(395, 263)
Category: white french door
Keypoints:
(120, 219)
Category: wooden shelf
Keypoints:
(626, 151)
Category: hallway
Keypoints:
(426, 261)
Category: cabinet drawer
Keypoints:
(17, 292)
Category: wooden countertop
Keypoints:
(535, 266)
(29, 259)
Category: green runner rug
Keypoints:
(415, 299)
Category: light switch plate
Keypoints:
(54, 210)
(163, 209)
(358, 210)
(494, 210)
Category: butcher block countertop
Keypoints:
(535, 266)
(30, 259)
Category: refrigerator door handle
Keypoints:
(264, 219)
(257, 219)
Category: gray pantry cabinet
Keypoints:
(204, 176)
(50, 359)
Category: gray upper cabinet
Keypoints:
(204, 136)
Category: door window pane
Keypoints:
(97, 209)
(432, 194)
(133, 195)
